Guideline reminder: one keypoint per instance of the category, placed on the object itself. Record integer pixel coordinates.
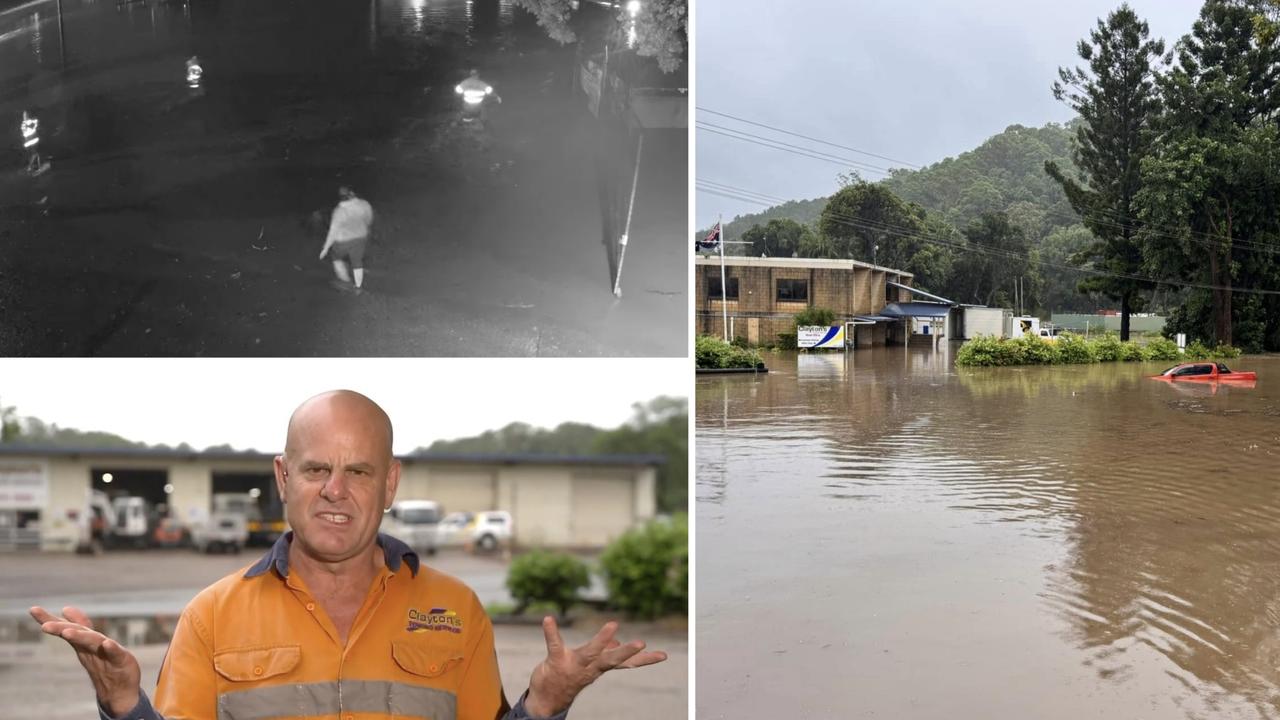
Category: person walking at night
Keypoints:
(349, 238)
(337, 620)
(474, 92)
(31, 143)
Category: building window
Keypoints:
(793, 290)
(730, 287)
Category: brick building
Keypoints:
(763, 296)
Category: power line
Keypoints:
(807, 137)
(744, 195)
(786, 147)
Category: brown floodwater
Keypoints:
(886, 535)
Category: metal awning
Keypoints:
(874, 318)
(916, 309)
(918, 291)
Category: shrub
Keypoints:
(1038, 352)
(788, 341)
(712, 352)
(1162, 349)
(1073, 349)
(1069, 348)
(989, 351)
(1109, 348)
(815, 316)
(1226, 352)
(1197, 351)
(545, 577)
(1133, 352)
(647, 569)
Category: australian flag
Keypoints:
(710, 243)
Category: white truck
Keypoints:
(224, 532)
(415, 522)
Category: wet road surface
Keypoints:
(884, 535)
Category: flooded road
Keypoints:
(178, 220)
(884, 535)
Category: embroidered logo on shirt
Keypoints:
(436, 619)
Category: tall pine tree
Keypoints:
(1117, 100)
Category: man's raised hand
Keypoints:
(558, 679)
(114, 671)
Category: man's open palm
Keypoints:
(566, 672)
(114, 671)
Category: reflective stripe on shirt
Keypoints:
(332, 698)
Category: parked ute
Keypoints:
(491, 529)
(225, 532)
(1204, 372)
(485, 531)
(452, 530)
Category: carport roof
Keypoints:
(75, 453)
(916, 309)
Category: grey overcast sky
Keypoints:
(247, 402)
(915, 81)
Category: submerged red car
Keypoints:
(1205, 372)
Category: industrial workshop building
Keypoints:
(579, 502)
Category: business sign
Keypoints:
(24, 485)
(820, 336)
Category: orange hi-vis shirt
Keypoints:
(257, 645)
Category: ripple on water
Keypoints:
(1148, 518)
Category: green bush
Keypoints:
(1036, 351)
(987, 351)
(788, 341)
(815, 316)
(1131, 351)
(1162, 349)
(1109, 348)
(647, 569)
(1199, 351)
(712, 352)
(1075, 350)
(546, 577)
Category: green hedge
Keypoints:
(712, 352)
(647, 569)
(990, 351)
(542, 577)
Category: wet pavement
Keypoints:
(136, 596)
(884, 535)
(179, 221)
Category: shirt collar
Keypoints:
(394, 552)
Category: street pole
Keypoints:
(724, 297)
(622, 253)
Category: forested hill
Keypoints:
(1006, 173)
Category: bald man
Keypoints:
(337, 620)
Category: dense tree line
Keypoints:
(1162, 194)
